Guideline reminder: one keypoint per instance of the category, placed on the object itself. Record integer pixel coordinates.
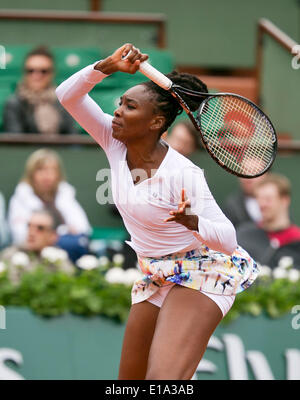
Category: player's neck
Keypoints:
(142, 156)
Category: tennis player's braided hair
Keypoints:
(167, 104)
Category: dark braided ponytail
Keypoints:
(167, 104)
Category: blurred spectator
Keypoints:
(44, 185)
(275, 236)
(130, 258)
(4, 233)
(242, 206)
(34, 107)
(184, 138)
(41, 234)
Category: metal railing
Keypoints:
(85, 140)
(266, 27)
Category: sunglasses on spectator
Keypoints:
(43, 71)
(39, 227)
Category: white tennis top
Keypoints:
(145, 205)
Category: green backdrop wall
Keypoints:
(216, 34)
(74, 347)
(207, 33)
(281, 88)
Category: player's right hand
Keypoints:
(126, 58)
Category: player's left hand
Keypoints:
(181, 216)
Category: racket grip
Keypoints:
(154, 75)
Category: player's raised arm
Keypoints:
(73, 93)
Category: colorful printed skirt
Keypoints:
(200, 269)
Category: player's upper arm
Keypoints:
(73, 95)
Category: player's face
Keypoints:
(135, 115)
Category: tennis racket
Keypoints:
(234, 130)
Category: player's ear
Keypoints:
(158, 122)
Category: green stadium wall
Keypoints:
(75, 347)
(217, 33)
(280, 89)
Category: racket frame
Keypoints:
(164, 82)
(197, 123)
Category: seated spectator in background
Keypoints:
(275, 236)
(44, 185)
(4, 233)
(242, 206)
(184, 138)
(41, 233)
(34, 107)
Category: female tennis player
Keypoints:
(191, 263)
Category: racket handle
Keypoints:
(154, 75)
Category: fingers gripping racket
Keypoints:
(234, 131)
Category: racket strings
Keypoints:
(237, 134)
(242, 130)
(232, 155)
(256, 147)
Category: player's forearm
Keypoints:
(78, 85)
(217, 236)
(73, 95)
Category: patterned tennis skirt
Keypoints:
(200, 269)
